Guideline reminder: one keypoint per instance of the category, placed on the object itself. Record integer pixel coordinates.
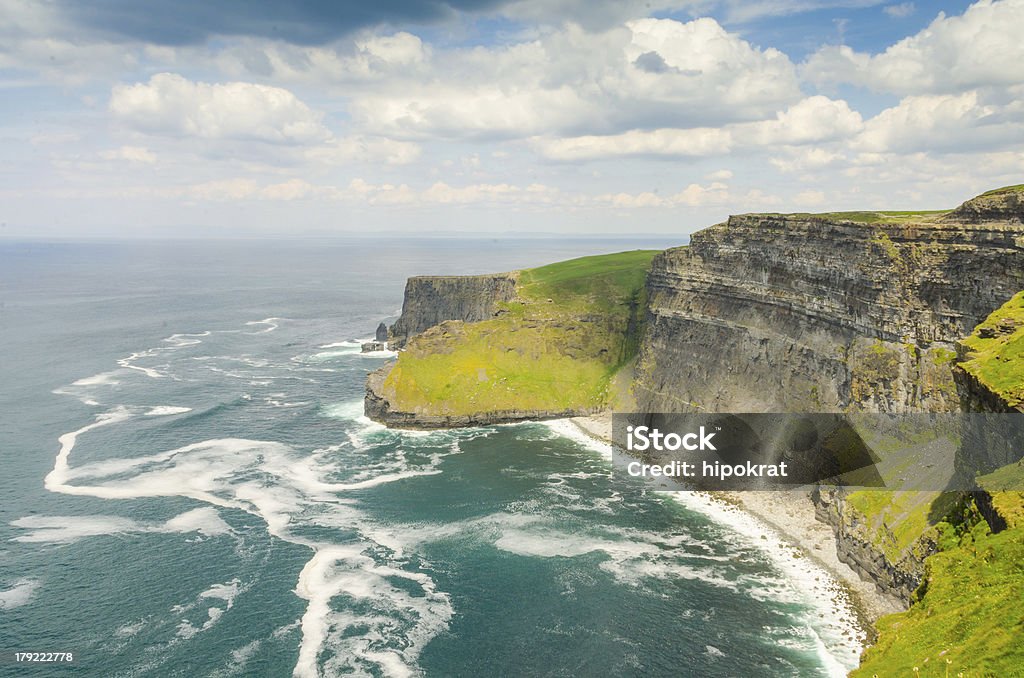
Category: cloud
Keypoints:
(698, 142)
(364, 149)
(900, 11)
(649, 74)
(812, 120)
(936, 123)
(802, 159)
(132, 154)
(980, 48)
(172, 105)
(369, 58)
(193, 22)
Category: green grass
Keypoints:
(970, 620)
(558, 347)
(895, 521)
(1018, 188)
(998, 360)
(1004, 485)
(881, 217)
(600, 281)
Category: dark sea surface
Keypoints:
(190, 489)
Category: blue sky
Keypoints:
(195, 119)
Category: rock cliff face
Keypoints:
(801, 313)
(854, 548)
(777, 313)
(1006, 204)
(431, 300)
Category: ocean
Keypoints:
(190, 489)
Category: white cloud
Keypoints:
(813, 120)
(661, 142)
(809, 198)
(900, 11)
(648, 74)
(172, 105)
(942, 123)
(133, 154)
(982, 47)
(801, 159)
(364, 149)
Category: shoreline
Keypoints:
(790, 516)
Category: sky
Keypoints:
(248, 118)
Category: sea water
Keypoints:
(190, 488)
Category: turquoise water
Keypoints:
(190, 489)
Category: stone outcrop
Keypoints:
(1005, 204)
(796, 313)
(431, 300)
(854, 547)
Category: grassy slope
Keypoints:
(970, 609)
(1018, 188)
(970, 614)
(558, 347)
(998, 361)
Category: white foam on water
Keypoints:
(186, 339)
(240, 658)
(129, 364)
(842, 640)
(223, 472)
(130, 629)
(345, 571)
(69, 529)
(271, 325)
(19, 593)
(566, 429)
(343, 344)
(804, 581)
(205, 520)
(166, 410)
(385, 353)
(55, 480)
(101, 379)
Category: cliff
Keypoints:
(817, 314)
(431, 300)
(542, 343)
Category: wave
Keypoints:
(351, 343)
(69, 529)
(19, 593)
(278, 484)
(166, 410)
(271, 325)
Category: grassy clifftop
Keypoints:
(556, 347)
(996, 351)
(968, 620)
